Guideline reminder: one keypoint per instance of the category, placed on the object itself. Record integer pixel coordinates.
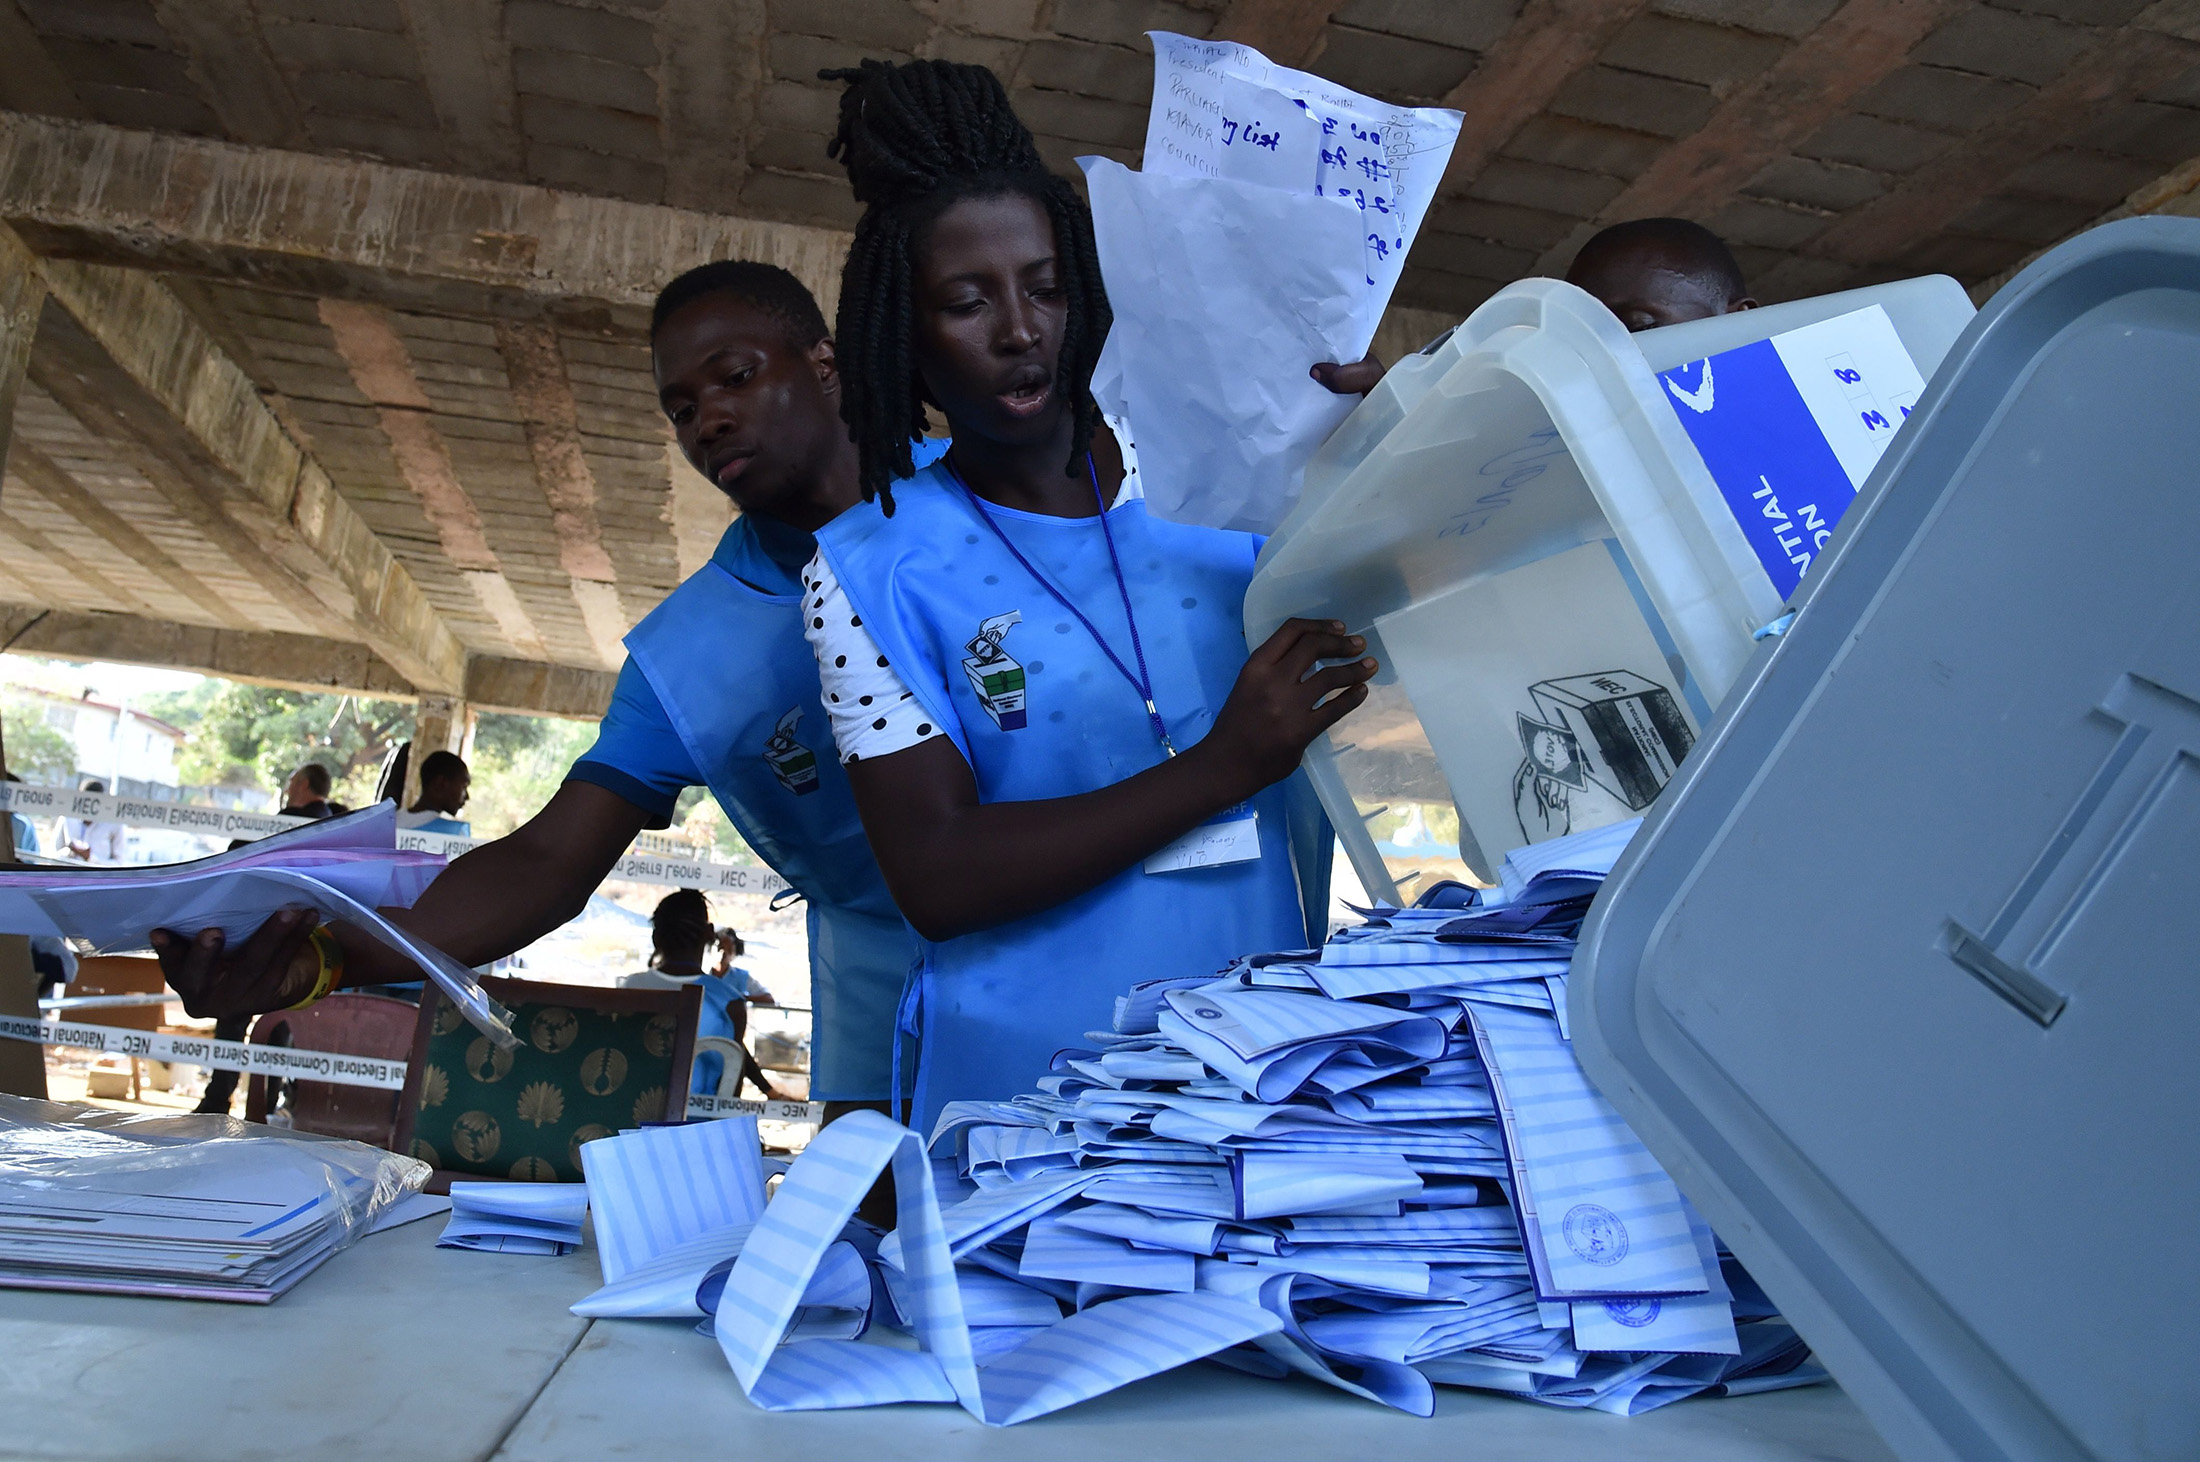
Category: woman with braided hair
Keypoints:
(1066, 763)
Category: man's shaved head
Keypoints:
(1660, 271)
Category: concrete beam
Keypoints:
(382, 368)
(1519, 75)
(352, 229)
(467, 64)
(1765, 119)
(543, 391)
(230, 62)
(1930, 199)
(707, 91)
(268, 486)
(298, 662)
(531, 688)
(294, 662)
(1287, 32)
(29, 79)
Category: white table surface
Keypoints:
(392, 1349)
(398, 1349)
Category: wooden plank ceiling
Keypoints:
(467, 364)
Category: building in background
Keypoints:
(113, 742)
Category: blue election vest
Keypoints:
(739, 684)
(1039, 711)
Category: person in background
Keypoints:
(445, 783)
(680, 930)
(1653, 272)
(94, 842)
(306, 793)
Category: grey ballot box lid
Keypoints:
(1901, 978)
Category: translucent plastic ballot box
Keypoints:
(1900, 979)
(1560, 538)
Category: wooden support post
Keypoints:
(22, 296)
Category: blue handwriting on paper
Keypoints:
(1249, 132)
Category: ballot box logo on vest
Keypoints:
(996, 679)
(1610, 735)
(1790, 427)
(793, 763)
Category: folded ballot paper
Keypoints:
(516, 1218)
(1376, 1165)
(1265, 233)
(343, 868)
(187, 1207)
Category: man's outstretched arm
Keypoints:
(498, 898)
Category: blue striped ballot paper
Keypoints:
(1792, 426)
(1376, 1165)
(515, 1218)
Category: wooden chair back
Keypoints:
(120, 974)
(590, 1062)
(348, 1024)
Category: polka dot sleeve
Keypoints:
(872, 711)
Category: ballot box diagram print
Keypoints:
(1547, 696)
(794, 764)
(1791, 426)
(1622, 731)
(996, 679)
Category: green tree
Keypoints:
(518, 762)
(257, 735)
(36, 751)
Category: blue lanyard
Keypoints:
(1142, 682)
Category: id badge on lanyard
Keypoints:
(1230, 836)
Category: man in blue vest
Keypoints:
(719, 689)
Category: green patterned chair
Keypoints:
(590, 1062)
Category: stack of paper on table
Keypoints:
(235, 1217)
(516, 1218)
(342, 868)
(1377, 1165)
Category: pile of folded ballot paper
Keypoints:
(1389, 1146)
(187, 1207)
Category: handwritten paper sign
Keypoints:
(1264, 235)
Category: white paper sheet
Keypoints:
(1265, 235)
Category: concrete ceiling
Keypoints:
(342, 346)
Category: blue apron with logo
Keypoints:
(738, 681)
(1040, 711)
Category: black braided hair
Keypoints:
(680, 926)
(916, 138)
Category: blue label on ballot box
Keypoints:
(1792, 426)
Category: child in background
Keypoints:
(1660, 271)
